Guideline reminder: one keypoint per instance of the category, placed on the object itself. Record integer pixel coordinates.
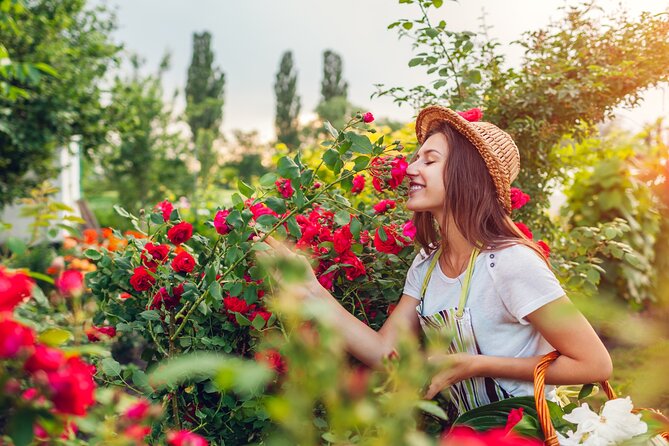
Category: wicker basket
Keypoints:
(543, 414)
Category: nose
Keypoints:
(412, 169)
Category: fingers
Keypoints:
(278, 246)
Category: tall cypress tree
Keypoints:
(332, 85)
(204, 103)
(287, 102)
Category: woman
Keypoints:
(476, 275)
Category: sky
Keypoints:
(249, 38)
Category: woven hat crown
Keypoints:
(495, 146)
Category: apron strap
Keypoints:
(465, 287)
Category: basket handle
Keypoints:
(543, 413)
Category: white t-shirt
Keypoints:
(507, 285)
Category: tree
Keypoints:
(332, 84)
(334, 105)
(204, 103)
(70, 44)
(287, 102)
(144, 159)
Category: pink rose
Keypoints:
(284, 187)
(518, 198)
(44, 358)
(368, 117)
(221, 225)
(409, 230)
(358, 184)
(72, 387)
(185, 438)
(70, 283)
(166, 208)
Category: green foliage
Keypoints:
(59, 51)
(610, 190)
(144, 159)
(287, 102)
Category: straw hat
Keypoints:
(495, 145)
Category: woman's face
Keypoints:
(426, 176)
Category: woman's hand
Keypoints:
(456, 367)
(310, 286)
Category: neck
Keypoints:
(455, 246)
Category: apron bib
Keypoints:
(473, 392)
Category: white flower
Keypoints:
(616, 423)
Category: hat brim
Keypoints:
(433, 114)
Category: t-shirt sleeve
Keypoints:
(413, 282)
(523, 281)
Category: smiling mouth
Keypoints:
(415, 188)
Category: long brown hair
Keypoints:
(471, 199)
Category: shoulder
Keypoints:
(514, 260)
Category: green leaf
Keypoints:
(21, 427)
(242, 320)
(39, 296)
(53, 337)
(268, 180)
(474, 76)
(16, 245)
(360, 163)
(432, 408)
(342, 217)
(276, 204)
(245, 189)
(237, 200)
(40, 276)
(431, 32)
(287, 168)
(437, 3)
(141, 380)
(407, 25)
(361, 143)
(157, 218)
(215, 290)
(356, 227)
(120, 211)
(330, 158)
(93, 254)
(150, 315)
(331, 130)
(382, 234)
(415, 61)
(258, 322)
(110, 367)
(586, 390)
(293, 227)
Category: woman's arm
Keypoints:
(583, 358)
(367, 345)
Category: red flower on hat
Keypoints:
(472, 115)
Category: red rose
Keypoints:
(13, 337)
(317, 185)
(342, 239)
(358, 184)
(180, 233)
(259, 209)
(221, 225)
(262, 313)
(183, 262)
(352, 265)
(273, 359)
(368, 117)
(72, 387)
(518, 198)
(44, 358)
(364, 237)
(390, 245)
(391, 308)
(137, 432)
(472, 115)
(525, 230)
(141, 280)
(326, 279)
(124, 295)
(163, 297)
(378, 185)
(14, 289)
(234, 305)
(153, 254)
(93, 333)
(138, 411)
(166, 208)
(185, 438)
(383, 206)
(284, 187)
(544, 246)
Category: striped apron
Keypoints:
(473, 392)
